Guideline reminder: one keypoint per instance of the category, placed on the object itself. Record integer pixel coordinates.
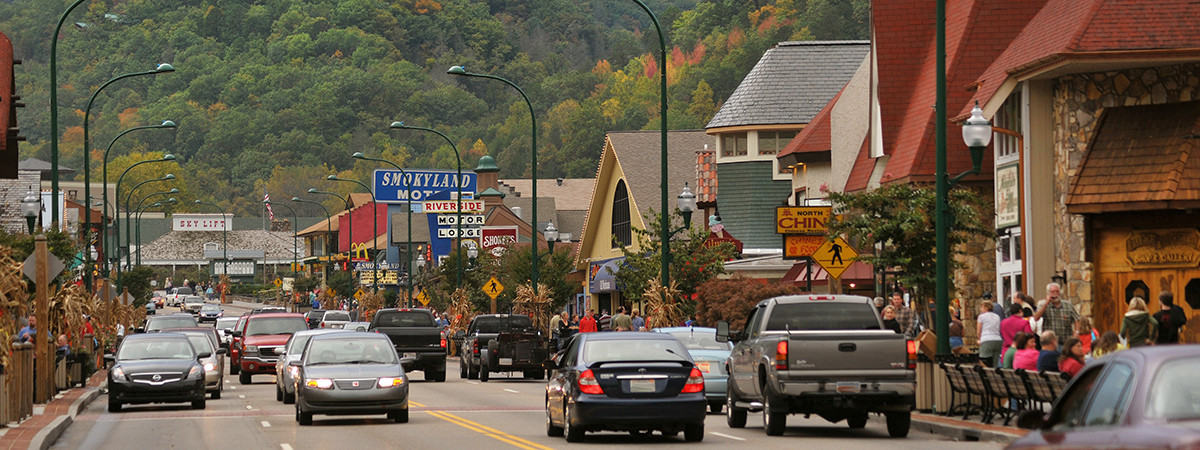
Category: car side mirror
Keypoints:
(221, 351)
(1031, 420)
(236, 334)
(109, 357)
(204, 355)
(722, 331)
(139, 330)
(549, 364)
(295, 363)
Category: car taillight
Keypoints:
(695, 382)
(912, 355)
(781, 350)
(475, 348)
(322, 324)
(588, 383)
(443, 342)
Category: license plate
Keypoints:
(848, 387)
(337, 325)
(703, 366)
(641, 386)
(506, 361)
(409, 355)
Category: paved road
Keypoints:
(455, 414)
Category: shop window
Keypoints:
(1136, 288)
(621, 231)
(1191, 293)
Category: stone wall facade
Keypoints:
(11, 194)
(1079, 99)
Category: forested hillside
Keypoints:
(276, 94)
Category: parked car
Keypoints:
(177, 320)
(1145, 397)
(827, 355)
(261, 340)
(155, 368)
(210, 313)
(350, 373)
(709, 356)
(224, 327)
(635, 381)
(285, 374)
(204, 340)
(334, 319)
(420, 343)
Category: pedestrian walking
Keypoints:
(605, 321)
(622, 321)
(1169, 318)
(889, 319)
(904, 315)
(637, 321)
(1137, 327)
(587, 324)
(990, 342)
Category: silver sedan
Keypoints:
(350, 373)
(285, 373)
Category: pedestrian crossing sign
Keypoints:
(421, 297)
(835, 256)
(493, 288)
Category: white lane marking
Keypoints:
(472, 382)
(249, 407)
(510, 390)
(266, 424)
(233, 387)
(285, 447)
(714, 433)
(241, 396)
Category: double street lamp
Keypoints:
(225, 225)
(408, 260)
(104, 173)
(140, 210)
(120, 179)
(460, 71)
(457, 184)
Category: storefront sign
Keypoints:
(390, 184)
(498, 238)
(451, 206)
(1175, 247)
(1008, 198)
(200, 222)
(802, 219)
(800, 246)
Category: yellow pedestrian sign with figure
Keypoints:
(835, 256)
(493, 288)
(421, 297)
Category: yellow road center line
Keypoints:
(500, 436)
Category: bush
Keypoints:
(731, 300)
(248, 288)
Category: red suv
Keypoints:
(262, 337)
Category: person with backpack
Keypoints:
(1138, 328)
(1170, 318)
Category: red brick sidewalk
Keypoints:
(22, 435)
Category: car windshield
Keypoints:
(822, 317)
(213, 308)
(170, 348)
(700, 340)
(338, 316)
(403, 319)
(226, 324)
(351, 351)
(170, 322)
(193, 300)
(495, 324)
(297, 344)
(183, 291)
(605, 350)
(274, 325)
(1175, 391)
(200, 344)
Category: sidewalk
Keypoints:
(965, 430)
(50, 420)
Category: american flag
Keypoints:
(266, 201)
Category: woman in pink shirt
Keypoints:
(1027, 356)
(1013, 324)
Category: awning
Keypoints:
(602, 275)
(858, 271)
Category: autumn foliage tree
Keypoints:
(731, 300)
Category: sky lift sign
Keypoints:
(390, 186)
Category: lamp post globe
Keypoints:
(687, 205)
(31, 206)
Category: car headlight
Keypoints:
(388, 382)
(294, 372)
(251, 349)
(196, 371)
(209, 367)
(318, 383)
(118, 373)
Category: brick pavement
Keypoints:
(25, 434)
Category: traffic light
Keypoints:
(9, 102)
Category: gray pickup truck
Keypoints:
(419, 341)
(827, 355)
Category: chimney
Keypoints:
(559, 181)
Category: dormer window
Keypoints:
(734, 144)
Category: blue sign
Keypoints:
(390, 186)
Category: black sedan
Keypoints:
(1148, 397)
(636, 382)
(155, 368)
(350, 373)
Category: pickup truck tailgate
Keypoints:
(413, 339)
(847, 354)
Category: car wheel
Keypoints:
(399, 416)
(113, 405)
(244, 378)
(278, 393)
(715, 406)
(573, 433)
(462, 369)
(472, 371)
(774, 421)
(693, 432)
(289, 398)
(199, 404)
(435, 375)
(233, 368)
(551, 429)
(857, 420)
(216, 395)
(484, 372)
(898, 423)
(735, 417)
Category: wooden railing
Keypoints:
(16, 397)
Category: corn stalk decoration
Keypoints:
(67, 308)
(13, 300)
(533, 305)
(461, 310)
(327, 301)
(368, 305)
(662, 305)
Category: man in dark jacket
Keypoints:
(1169, 318)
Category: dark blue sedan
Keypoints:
(629, 381)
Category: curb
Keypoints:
(963, 432)
(50, 433)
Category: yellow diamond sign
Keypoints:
(493, 288)
(835, 256)
(358, 294)
(421, 297)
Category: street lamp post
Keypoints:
(128, 229)
(54, 218)
(31, 206)
(328, 229)
(407, 244)
(225, 225)
(686, 202)
(104, 174)
(457, 184)
(138, 221)
(116, 216)
(350, 232)
(87, 157)
(375, 221)
(533, 167)
(295, 231)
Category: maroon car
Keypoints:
(262, 336)
(1148, 397)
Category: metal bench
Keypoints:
(958, 385)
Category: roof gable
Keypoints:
(815, 137)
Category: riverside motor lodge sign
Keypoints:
(200, 222)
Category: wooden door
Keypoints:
(1120, 277)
